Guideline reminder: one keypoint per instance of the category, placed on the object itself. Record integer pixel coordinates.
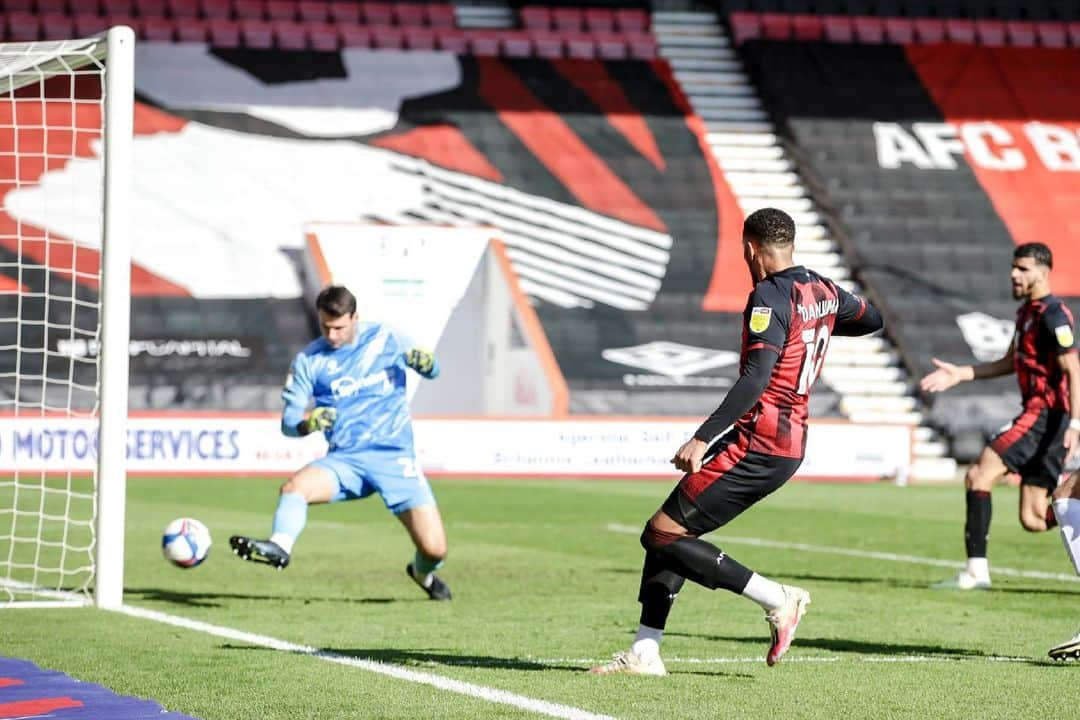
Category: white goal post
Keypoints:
(65, 264)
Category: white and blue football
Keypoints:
(185, 542)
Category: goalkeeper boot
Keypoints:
(264, 551)
(783, 621)
(1068, 650)
(436, 589)
(628, 662)
(963, 580)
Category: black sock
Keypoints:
(977, 527)
(659, 586)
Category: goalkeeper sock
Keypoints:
(1068, 515)
(423, 567)
(289, 520)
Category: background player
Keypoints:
(787, 323)
(1043, 356)
(1067, 510)
(356, 374)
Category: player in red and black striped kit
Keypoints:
(789, 318)
(1035, 445)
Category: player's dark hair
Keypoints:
(336, 300)
(770, 226)
(1036, 251)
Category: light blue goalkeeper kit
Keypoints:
(371, 440)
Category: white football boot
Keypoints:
(783, 621)
(963, 581)
(629, 663)
(1068, 650)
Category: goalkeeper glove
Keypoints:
(321, 418)
(421, 361)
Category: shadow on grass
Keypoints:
(843, 645)
(214, 599)
(427, 658)
(918, 585)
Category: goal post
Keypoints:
(65, 263)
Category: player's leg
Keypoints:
(314, 483)
(399, 480)
(1066, 505)
(1042, 473)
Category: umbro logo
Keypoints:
(671, 359)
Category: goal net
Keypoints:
(64, 304)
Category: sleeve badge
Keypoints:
(760, 318)
(1064, 335)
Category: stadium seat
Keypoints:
(257, 34)
(353, 35)
(123, 8)
(632, 20)
(345, 13)
(41, 7)
(148, 8)
(610, 46)
(18, 6)
(323, 37)
(580, 46)
(547, 44)
(85, 25)
(807, 28)
(1073, 31)
(642, 45)
(377, 13)
(387, 37)
(440, 15)
(452, 40)
(536, 17)
(838, 29)
(282, 9)
(290, 35)
(745, 26)
(80, 7)
(483, 43)
(1052, 34)
(224, 33)
(409, 14)
(776, 26)
(990, 32)
(313, 11)
(900, 31)
(1020, 33)
(215, 9)
(157, 29)
(515, 43)
(419, 38)
(929, 30)
(182, 8)
(599, 20)
(56, 26)
(960, 30)
(568, 19)
(869, 29)
(190, 29)
(249, 9)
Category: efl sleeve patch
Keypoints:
(760, 317)
(1063, 333)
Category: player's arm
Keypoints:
(423, 362)
(947, 375)
(768, 321)
(296, 395)
(855, 316)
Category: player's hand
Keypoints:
(421, 361)
(943, 378)
(688, 457)
(1072, 444)
(321, 418)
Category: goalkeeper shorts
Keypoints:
(393, 473)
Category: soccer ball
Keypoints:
(185, 542)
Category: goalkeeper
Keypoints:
(355, 373)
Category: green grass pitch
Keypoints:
(544, 575)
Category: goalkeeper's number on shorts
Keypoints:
(421, 361)
(321, 418)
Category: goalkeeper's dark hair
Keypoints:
(1036, 251)
(336, 300)
(770, 226)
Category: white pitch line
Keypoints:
(493, 695)
(759, 660)
(869, 554)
